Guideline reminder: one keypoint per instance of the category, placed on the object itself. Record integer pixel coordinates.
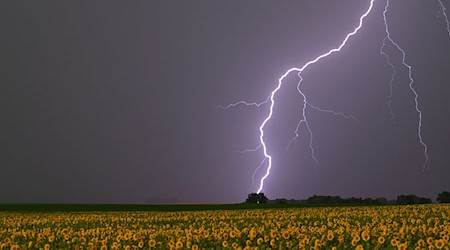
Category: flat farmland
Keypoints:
(350, 227)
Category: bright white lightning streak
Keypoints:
(299, 70)
(444, 12)
(392, 77)
(411, 82)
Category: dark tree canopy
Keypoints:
(256, 198)
(443, 197)
(411, 199)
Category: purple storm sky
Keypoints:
(113, 101)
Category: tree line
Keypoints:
(443, 197)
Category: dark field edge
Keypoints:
(146, 207)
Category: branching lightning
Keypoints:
(270, 101)
(299, 71)
(252, 149)
(392, 76)
(305, 121)
(255, 104)
(411, 82)
(444, 12)
(256, 170)
(341, 114)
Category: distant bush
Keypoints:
(443, 197)
(320, 199)
(411, 199)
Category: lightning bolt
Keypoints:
(444, 12)
(411, 82)
(299, 71)
(304, 120)
(306, 104)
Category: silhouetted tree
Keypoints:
(443, 197)
(280, 201)
(322, 199)
(370, 201)
(256, 198)
(382, 200)
(354, 200)
(411, 199)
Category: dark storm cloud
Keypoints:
(117, 101)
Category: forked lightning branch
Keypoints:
(270, 102)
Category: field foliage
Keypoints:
(376, 227)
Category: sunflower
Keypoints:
(286, 235)
(421, 243)
(394, 242)
(259, 241)
(317, 243)
(152, 243)
(273, 243)
(273, 234)
(402, 246)
(439, 244)
(365, 236)
(330, 236)
(225, 243)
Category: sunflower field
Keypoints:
(377, 227)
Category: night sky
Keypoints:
(117, 101)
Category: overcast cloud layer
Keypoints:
(117, 101)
